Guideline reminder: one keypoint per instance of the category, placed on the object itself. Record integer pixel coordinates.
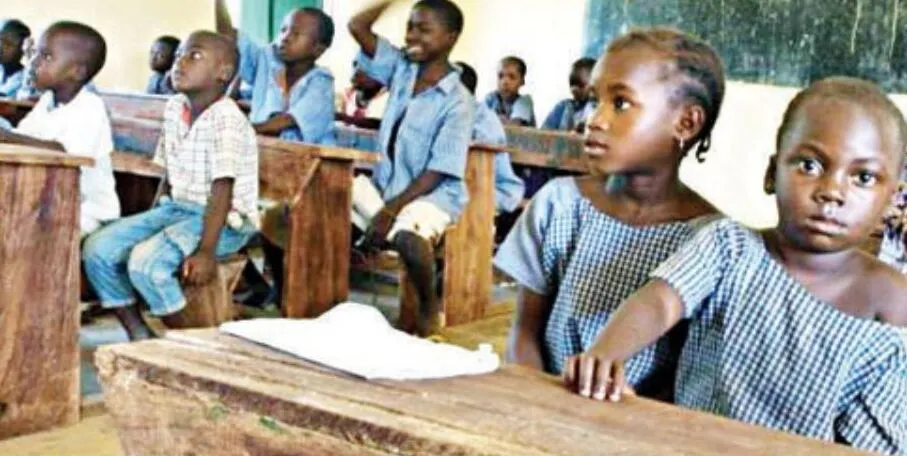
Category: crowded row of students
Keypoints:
(630, 282)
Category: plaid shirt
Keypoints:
(221, 143)
(762, 349)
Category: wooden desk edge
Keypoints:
(135, 164)
(24, 155)
(28, 104)
(321, 151)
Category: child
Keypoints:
(786, 325)
(506, 102)
(210, 154)
(508, 188)
(585, 244)
(291, 97)
(70, 118)
(358, 102)
(163, 53)
(570, 114)
(13, 34)
(424, 138)
(27, 90)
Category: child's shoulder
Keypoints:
(320, 72)
(885, 290)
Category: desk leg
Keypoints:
(318, 243)
(39, 298)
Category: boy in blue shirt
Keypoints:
(292, 97)
(13, 34)
(163, 54)
(507, 102)
(417, 189)
(570, 114)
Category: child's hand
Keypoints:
(596, 377)
(199, 269)
(376, 236)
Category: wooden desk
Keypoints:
(561, 144)
(15, 110)
(39, 289)
(135, 104)
(200, 392)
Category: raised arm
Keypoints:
(641, 320)
(224, 21)
(360, 26)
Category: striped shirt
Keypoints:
(762, 349)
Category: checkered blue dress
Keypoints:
(588, 262)
(762, 349)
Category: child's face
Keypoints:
(579, 84)
(298, 38)
(161, 57)
(633, 126)
(834, 175)
(509, 80)
(10, 48)
(427, 38)
(54, 62)
(198, 67)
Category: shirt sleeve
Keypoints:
(88, 133)
(249, 53)
(229, 144)
(451, 143)
(553, 121)
(522, 254)
(696, 269)
(171, 109)
(876, 420)
(508, 187)
(384, 64)
(523, 110)
(314, 111)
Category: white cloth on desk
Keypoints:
(357, 339)
(420, 216)
(82, 127)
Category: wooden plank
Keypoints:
(95, 436)
(15, 110)
(135, 104)
(23, 155)
(201, 391)
(520, 157)
(209, 305)
(550, 142)
(39, 285)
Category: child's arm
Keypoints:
(223, 19)
(276, 124)
(199, 268)
(528, 330)
(11, 137)
(641, 320)
(360, 26)
(381, 224)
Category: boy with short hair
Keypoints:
(358, 107)
(570, 114)
(424, 136)
(292, 97)
(163, 53)
(508, 187)
(13, 34)
(210, 154)
(512, 107)
(70, 118)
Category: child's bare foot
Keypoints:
(131, 319)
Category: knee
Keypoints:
(413, 249)
(96, 251)
(145, 264)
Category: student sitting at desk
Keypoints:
(13, 34)
(358, 106)
(584, 244)
(210, 154)
(70, 118)
(508, 188)
(292, 97)
(163, 53)
(570, 114)
(793, 327)
(507, 102)
(425, 135)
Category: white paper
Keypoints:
(357, 339)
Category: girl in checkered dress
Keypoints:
(585, 244)
(795, 327)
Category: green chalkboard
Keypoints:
(782, 42)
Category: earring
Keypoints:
(681, 145)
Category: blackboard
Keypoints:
(781, 42)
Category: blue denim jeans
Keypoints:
(144, 253)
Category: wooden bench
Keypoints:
(201, 392)
(15, 110)
(39, 308)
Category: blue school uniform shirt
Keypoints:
(508, 187)
(10, 83)
(762, 349)
(521, 108)
(566, 116)
(588, 263)
(434, 134)
(310, 101)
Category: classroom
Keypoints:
(431, 227)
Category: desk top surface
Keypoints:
(512, 411)
(23, 155)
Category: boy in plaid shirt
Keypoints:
(209, 150)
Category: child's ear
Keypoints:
(768, 183)
(690, 122)
(225, 74)
(79, 73)
(320, 48)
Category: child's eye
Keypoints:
(195, 55)
(622, 104)
(810, 167)
(866, 179)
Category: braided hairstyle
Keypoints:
(698, 65)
